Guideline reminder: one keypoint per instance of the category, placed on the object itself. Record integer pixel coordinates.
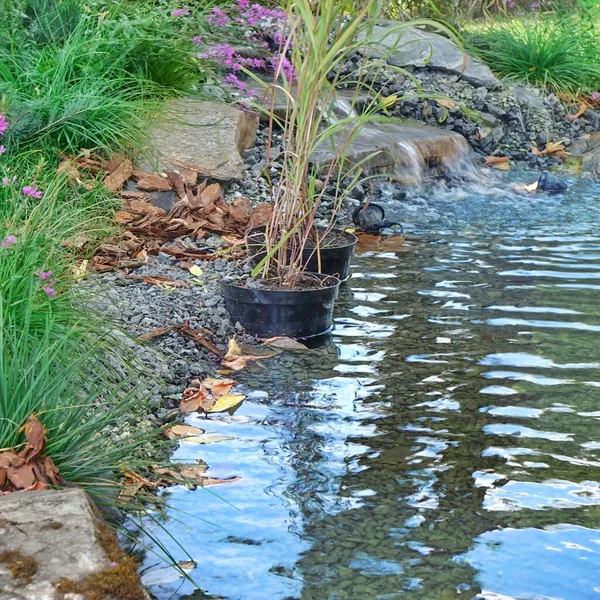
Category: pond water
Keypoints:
(444, 442)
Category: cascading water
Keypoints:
(406, 152)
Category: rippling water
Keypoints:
(443, 443)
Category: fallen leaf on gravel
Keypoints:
(552, 148)
(207, 438)
(227, 403)
(194, 399)
(446, 103)
(284, 343)
(157, 332)
(195, 270)
(182, 431)
(158, 280)
(582, 109)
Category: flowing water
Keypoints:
(444, 442)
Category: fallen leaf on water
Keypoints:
(579, 113)
(236, 360)
(195, 270)
(194, 399)
(532, 187)
(218, 387)
(207, 438)
(227, 403)
(182, 431)
(368, 243)
(497, 162)
(187, 565)
(284, 343)
(191, 475)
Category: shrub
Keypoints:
(548, 51)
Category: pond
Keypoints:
(443, 442)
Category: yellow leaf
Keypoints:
(195, 270)
(227, 403)
(233, 348)
(80, 270)
(503, 166)
(388, 101)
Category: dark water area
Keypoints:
(444, 442)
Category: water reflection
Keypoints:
(444, 442)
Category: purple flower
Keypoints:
(180, 12)
(50, 291)
(43, 274)
(198, 40)
(8, 241)
(32, 191)
(8, 180)
(595, 96)
(4, 124)
(535, 5)
(235, 82)
(2, 149)
(282, 64)
(218, 17)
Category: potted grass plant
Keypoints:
(300, 265)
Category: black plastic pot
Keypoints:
(293, 313)
(335, 260)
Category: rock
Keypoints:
(55, 534)
(206, 137)
(584, 144)
(412, 47)
(590, 164)
(403, 149)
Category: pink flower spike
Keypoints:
(8, 241)
(180, 12)
(595, 95)
(4, 124)
(32, 191)
(2, 149)
(44, 274)
(50, 291)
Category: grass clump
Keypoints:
(550, 51)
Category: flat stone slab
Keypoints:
(402, 150)
(203, 136)
(57, 530)
(413, 47)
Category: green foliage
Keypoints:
(550, 51)
(51, 20)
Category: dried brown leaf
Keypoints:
(117, 177)
(182, 431)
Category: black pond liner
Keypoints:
(292, 313)
(335, 260)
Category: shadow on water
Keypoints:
(443, 442)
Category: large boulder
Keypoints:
(590, 163)
(49, 536)
(413, 47)
(202, 136)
